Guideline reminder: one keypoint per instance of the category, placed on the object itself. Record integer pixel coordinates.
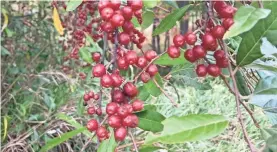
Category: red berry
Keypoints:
(227, 23)
(96, 96)
(107, 27)
(201, 70)
(91, 110)
(115, 4)
(111, 108)
(122, 111)
(103, 4)
(91, 94)
(213, 70)
(122, 63)
(96, 57)
(127, 12)
(136, 4)
(219, 5)
(227, 12)
(137, 105)
(130, 89)
(124, 38)
(199, 52)
(98, 70)
(130, 121)
(107, 13)
(219, 54)
(131, 57)
(173, 52)
(102, 132)
(218, 31)
(117, 80)
(209, 42)
(117, 96)
(117, 20)
(145, 77)
(92, 125)
(86, 97)
(120, 134)
(190, 38)
(178, 40)
(99, 111)
(128, 26)
(152, 70)
(128, 107)
(189, 56)
(142, 62)
(114, 121)
(150, 55)
(106, 81)
(222, 63)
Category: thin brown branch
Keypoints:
(130, 144)
(163, 91)
(239, 115)
(134, 142)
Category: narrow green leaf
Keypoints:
(150, 120)
(73, 4)
(149, 148)
(85, 54)
(74, 123)
(108, 145)
(152, 87)
(245, 18)
(135, 22)
(189, 128)
(249, 49)
(168, 61)
(242, 86)
(56, 141)
(147, 18)
(170, 20)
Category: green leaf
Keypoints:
(152, 87)
(147, 18)
(249, 49)
(245, 19)
(148, 148)
(85, 54)
(170, 20)
(4, 51)
(95, 46)
(271, 36)
(135, 22)
(242, 86)
(189, 128)
(265, 96)
(56, 141)
(268, 132)
(168, 61)
(271, 145)
(150, 120)
(74, 123)
(73, 4)
(108, 145)
(260, 65)
(143, 93)
(150, 4)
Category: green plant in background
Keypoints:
(47, 69)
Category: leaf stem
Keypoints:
(134, 142)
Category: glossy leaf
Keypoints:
(245, 19)
(150, 4)
(170, 20)
(147, 19)
(73, 4)
(58, 140)
(108, 145)
(168, 61)
(150, 120)
(152, 87)
(143, 93)
(85, 54)
(242, 86)
(189, 128)
(249, 49)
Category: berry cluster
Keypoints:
(114, 16)
(208, 41)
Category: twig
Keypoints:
(169, 97)
(261, 5)
(134, 142)
(239, 115)
(130, 144)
